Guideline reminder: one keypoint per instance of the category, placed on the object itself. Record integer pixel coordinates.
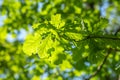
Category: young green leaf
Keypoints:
(56, 21)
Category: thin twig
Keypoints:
(59, 73)
(101, 65)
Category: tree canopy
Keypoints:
(59, 40)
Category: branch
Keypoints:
(96, 37)
(101, 37)
(100, 66)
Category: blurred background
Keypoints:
(16, 20)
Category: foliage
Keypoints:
(66, 40)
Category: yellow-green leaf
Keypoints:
(31, 44)
(56, 21)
